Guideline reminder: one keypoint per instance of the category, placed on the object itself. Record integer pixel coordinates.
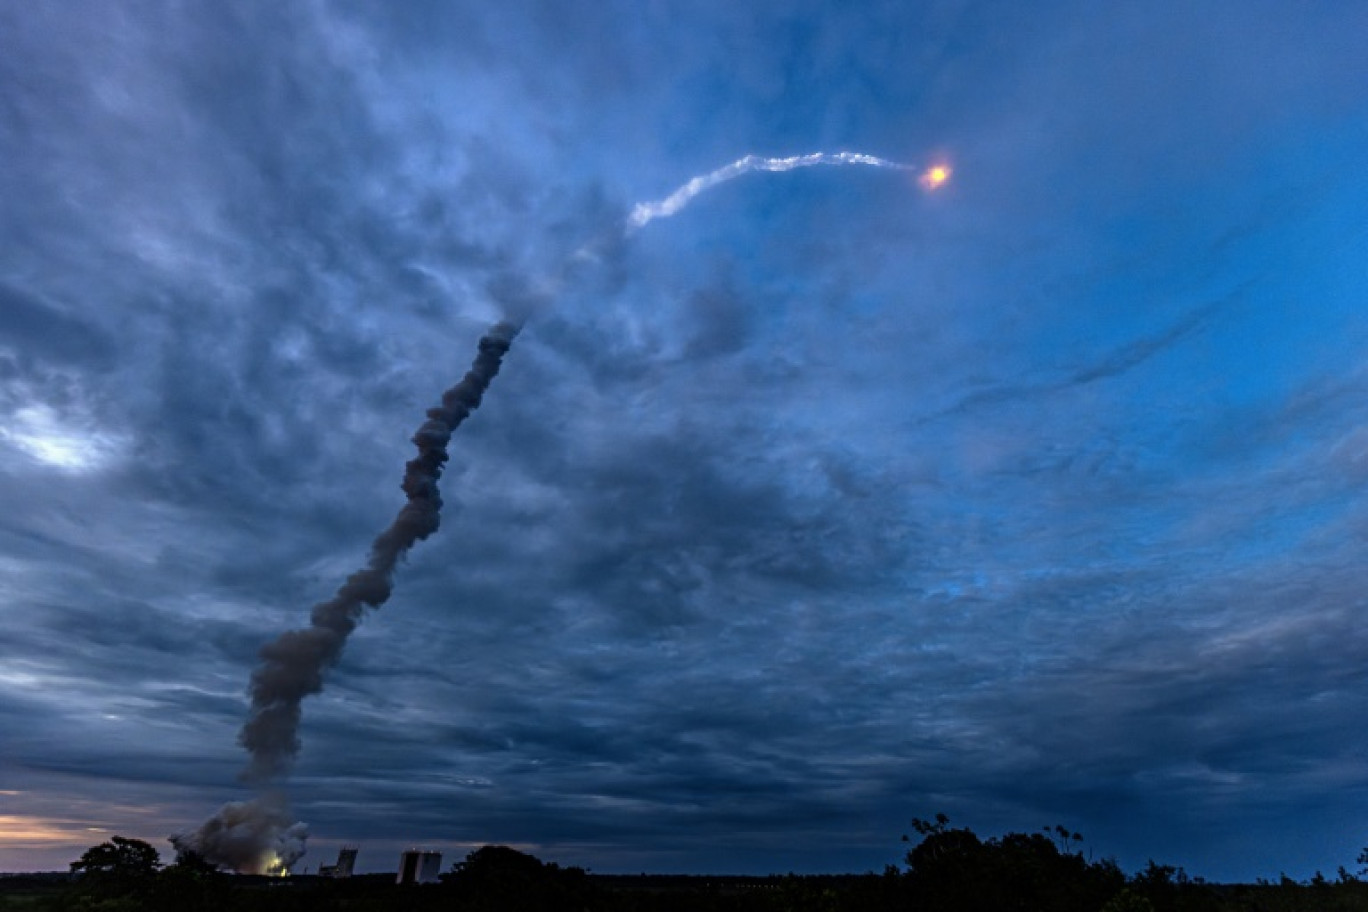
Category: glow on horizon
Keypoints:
(17, 830)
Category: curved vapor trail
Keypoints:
(644, 213)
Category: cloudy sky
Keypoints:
(824, 503)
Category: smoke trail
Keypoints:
(292, 666)
(643, 213)
(253, 834)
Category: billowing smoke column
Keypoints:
(643, 213)
(292, 667)
(260, 835)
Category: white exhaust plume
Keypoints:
(643, 213)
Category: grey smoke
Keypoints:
(292, 665)
(254, 837)
(249, 836)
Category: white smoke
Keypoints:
(643, 213)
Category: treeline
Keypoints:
(946, 869)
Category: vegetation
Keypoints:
(945, 868)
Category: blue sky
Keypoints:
(825, 503)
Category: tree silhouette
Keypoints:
(115, 876)
(497, 878)
(120, 860)
(952, 869)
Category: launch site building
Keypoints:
(418, 866)
(346, 860)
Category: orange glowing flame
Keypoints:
(934, 176)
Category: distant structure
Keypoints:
(346, 860)
(418, 866)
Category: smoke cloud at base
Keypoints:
(260, 835)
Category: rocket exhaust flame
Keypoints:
(933, 177)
